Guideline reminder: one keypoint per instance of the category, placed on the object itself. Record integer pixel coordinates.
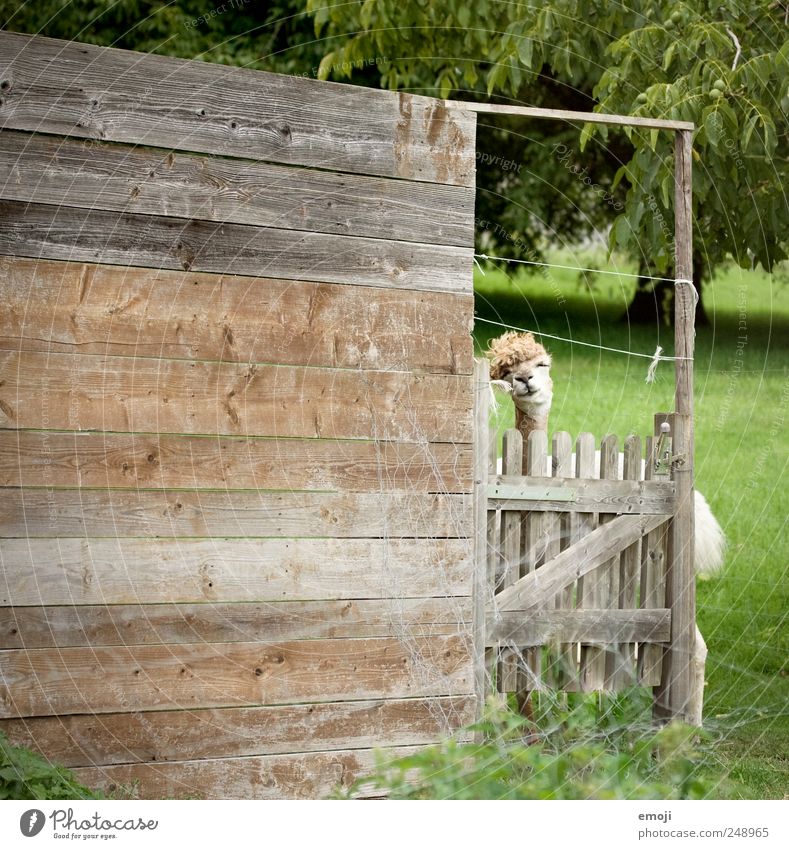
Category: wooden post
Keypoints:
(481, 587)
(674, 697)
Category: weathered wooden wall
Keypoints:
(235, 421)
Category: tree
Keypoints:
(275, 36)
(722, 65)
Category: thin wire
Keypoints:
(585, 344)
(579, 268)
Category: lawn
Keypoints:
(742, 402)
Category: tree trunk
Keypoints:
(653, 301)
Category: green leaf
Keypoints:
(620, 173)
(525, 50)
(712, 127)
(324, 69)
(669, 55)
(666, 187)
(622, 231)
(586, 134)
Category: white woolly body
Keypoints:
(709, 539)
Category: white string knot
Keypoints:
(693, 289)
(656, 358)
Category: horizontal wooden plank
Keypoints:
(588, 626)
(161, 736)
(149, 571)
(101, 309)
(90, 392)
(42, 169)
(96, 92)
(46, 231)
(567, 115)
(314, 775)
(51, 682)
(610, 496)
(152, 624)
(32, 513)
(591, 551)
(56, 459)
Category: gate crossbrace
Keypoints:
(541, 586)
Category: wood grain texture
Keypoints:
(28, 458)
(674, 696)
(313, 775)
(124, 394)
(86, 91)
(579, 559)
(611, 496)
(51, 682)
(590, 626)
(46, 231)
(567, 115)
(221, 622)
(479, 531)
(36, 513)
(625, 671)
(101, 309)
(511, 464)
(47, 169)
(160, 736)
(146, 571)
(652, 591)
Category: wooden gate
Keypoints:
(578, 556)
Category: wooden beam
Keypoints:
(91, 92)
(540, 586)
(673, 697)
(154, 571)
(601, 626)
(140, 394)
(171, 735)
(167, 461)
(167, 513)
(481, 586)
(227, 622)
(566, 115)
(609, 496)
(314, 775)
(50, 682)
(47, 231)
(73, 307)
(42, 169)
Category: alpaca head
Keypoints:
(522, 366)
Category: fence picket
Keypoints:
(653, 569)
(563, 663)
(533, 548)
(620, 669)
(512, 463)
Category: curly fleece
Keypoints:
(512, 348)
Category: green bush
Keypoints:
(26, 775)
(585, 746)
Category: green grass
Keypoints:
(742, 406)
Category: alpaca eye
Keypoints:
(543, 365)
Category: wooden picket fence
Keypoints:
(578, 550)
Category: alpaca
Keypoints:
(521, 366)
